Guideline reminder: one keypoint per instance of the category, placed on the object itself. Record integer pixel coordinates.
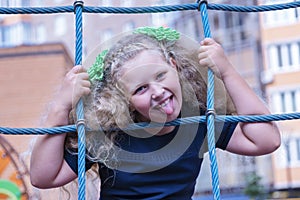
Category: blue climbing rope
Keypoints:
(210, 117)
(80, 125)
(177, 122)
(150, 9)
(210, 114)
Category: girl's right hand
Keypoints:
(75, 85)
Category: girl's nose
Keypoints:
(158, 92)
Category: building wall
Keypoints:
(280, 35)
(29, 76)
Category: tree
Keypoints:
(253, 187)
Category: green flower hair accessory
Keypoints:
(96, 70)
(159, 33)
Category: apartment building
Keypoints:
(280, 37)
(45, 28)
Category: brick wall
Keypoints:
(29, 75)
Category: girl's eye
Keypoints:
(140, 89)
(160, 75)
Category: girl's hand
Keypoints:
(251, 139)
(75, 84)
(211, 54)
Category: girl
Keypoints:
(150, 75)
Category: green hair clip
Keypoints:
(159, 33)
(96, 70)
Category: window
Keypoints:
(164, 18)
(293, 99)
(280, 17)
(16, 34)
(60, 25)
(58, 1)
(190, 27)
(298, 148)
(4, 3)
(127, 3)
(27, 33)
(40, 3)
(159, 19)
(289, 152)
(279, 57)
(284, 56)
(231, 27)
(107, 34)
(41, 33)
(128, 26)
(25, 3)
(1, 37)
(106, 3)
(293, 150)
(14, 3)
(285, 101)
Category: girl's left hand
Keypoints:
(211, 54)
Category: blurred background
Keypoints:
(37, 50)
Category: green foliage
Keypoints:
(253, 188)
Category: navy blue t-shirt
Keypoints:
(157, 167)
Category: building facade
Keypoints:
(29, 77)
(48, 28)
(280, 36)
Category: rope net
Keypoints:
(202, 5)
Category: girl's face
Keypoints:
(152, 86)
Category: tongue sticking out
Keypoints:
(168, 107)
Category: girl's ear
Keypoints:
(131, 108)
(173, 63)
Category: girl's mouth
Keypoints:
(167, 106)
(164, 103)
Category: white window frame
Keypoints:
(290, 146)
(288, 53)
(282, 101)
(279, 17)
(107, 35)
(41, 33)
(128, 26)
(60, 26)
